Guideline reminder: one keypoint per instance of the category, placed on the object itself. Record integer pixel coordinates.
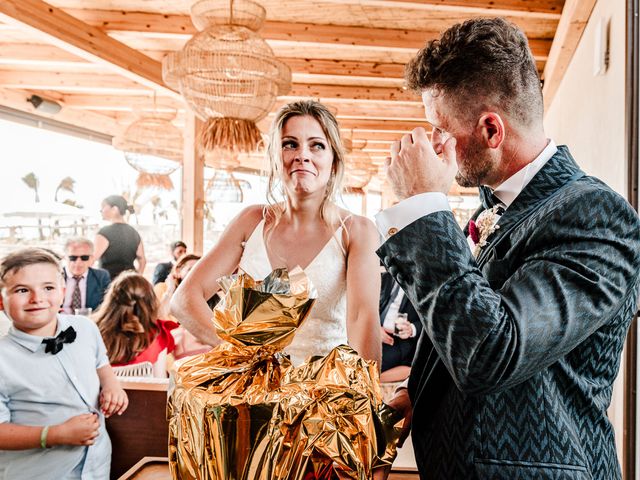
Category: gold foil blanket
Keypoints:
(243, 412)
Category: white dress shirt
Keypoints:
(395, 218)
(389, 322)
(68, 295)
(38, 388)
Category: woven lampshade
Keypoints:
(153, 146)
(225, 187)
(359, 168)
(227, 73)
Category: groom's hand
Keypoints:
(402, 404)
(415, 167)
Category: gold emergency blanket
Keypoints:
(242, 412)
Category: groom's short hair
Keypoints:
(481, 63)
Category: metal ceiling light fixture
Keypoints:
(228, 74)
(153, 146)
(43, 105)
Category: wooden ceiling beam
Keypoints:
(323, 92)
(575, 17)
(36, 53)
(71, 82)
(319, 66)
(118, 104)
(344, 108)
(49, 56)
(79, 82)
(529, 9)
(394, 127)
(86, 41)
(181, 25)
(17, 99)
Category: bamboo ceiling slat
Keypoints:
(99, 123)
(388, 34)
(114, 104)
(90, 43)
(350, 54)
(90, 82)
(51, 56)
(528, 7)
(352, 92)
(76, 82)
(347, 80)
(36, 53)
(343, 108)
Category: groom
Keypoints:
(521, 344)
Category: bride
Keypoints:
(335, 248)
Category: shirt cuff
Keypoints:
(404, 385)
(395, 218)
(414, 331)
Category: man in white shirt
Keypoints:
(522, 338)
(400, 329)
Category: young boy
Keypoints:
(56, 384)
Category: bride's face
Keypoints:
(307, 156)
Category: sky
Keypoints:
(98, 169)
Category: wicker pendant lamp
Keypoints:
(228, 74)
(359, 168)
(153, 146)
(225, 187)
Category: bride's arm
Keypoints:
(363, 289)
(189, 302)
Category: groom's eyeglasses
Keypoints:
(84, 258)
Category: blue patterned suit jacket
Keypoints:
(520, 347)
(98, 281)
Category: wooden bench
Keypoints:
(141, 431)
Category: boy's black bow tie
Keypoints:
(54, 344)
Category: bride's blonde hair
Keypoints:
(328, 209)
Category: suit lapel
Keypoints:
(91, 285)
(559, 171)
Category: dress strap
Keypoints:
(340, 232)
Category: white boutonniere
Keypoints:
(482, 228)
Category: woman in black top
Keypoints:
(118, 245)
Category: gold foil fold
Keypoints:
(242, 412)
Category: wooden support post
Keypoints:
(192, 188)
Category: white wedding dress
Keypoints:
(326, 326)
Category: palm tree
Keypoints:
(33, 183)
(72, 203)
(66, 184)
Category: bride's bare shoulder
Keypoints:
(356, 223)
(247, 220)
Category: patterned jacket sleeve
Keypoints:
(534, 301)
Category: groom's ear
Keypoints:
(491, 129)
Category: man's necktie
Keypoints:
(54, 344)
(76, 297)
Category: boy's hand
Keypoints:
(79, 430)
(113, 399)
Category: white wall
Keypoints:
(588, 115)
(588, 112)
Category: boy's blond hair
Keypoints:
(23, 258)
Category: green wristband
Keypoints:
(43, 437)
